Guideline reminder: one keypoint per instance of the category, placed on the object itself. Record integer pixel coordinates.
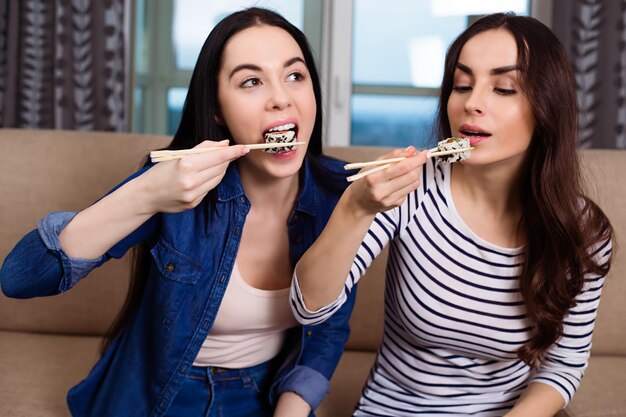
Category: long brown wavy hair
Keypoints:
(562, 225)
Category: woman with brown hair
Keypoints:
(496, 263)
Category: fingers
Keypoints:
(202, 161)
(400, 173)
(213, 143)
(388, 188)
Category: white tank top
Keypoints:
(250, 326)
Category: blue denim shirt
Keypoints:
(193, 253)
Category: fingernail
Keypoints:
(245, 150)
(410, 149)
(429, 155)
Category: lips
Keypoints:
(474, 133)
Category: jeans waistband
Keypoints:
(218, 373)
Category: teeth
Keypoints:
(282, 127)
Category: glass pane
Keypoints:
(175, 101)
(194, 19)
(140, 50)
(138, 103)
(411, 37)
(397, 121)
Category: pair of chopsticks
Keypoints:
(383, 164)
(167, 155)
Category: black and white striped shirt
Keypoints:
(454, 316)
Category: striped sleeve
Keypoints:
(567, 360)
(385, 227)
(379, 234)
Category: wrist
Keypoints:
(142, 196)
(352, 206)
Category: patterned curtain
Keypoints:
(64, 64)
(594, 33)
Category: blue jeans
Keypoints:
(219, 392)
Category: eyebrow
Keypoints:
(253, 67)
(495, 71)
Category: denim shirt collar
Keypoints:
(230, 188)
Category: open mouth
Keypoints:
(473, 133)
(281, 134)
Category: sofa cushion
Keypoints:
(602, 389)
(39, 369)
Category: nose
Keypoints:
(475, 102)
(279, 97)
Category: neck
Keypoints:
(491, 196)
(270, 193)
(495, 186)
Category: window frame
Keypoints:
(326, 24)
(337, 82)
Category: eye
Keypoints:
(505, 91)
(462, 88)
(295, 76)
(250, 82)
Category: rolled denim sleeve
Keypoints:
(74, 269)
(37, 266)
(308, 383)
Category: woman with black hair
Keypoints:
(496, 263)
(207, 329)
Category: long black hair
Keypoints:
(199, 123)
(560, 239)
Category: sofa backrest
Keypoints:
(43, 171)
(604, 173)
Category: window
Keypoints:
(168, 37)
(398, 50)
(380, 62)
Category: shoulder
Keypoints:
(329, 174)
(331, 164)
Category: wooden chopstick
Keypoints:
(366, 173)
(167, 155)
(358, 165)
(382, 164)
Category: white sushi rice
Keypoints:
(284, 136)
(451, 144)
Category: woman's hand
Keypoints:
(387, 189)
(291, 404)
(181, 184)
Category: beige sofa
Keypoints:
(49, 344)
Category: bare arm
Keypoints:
(323, 269)
(291, 404)
(171, 186)
(538, 400)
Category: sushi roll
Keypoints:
(281, 134)
(452, 144)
